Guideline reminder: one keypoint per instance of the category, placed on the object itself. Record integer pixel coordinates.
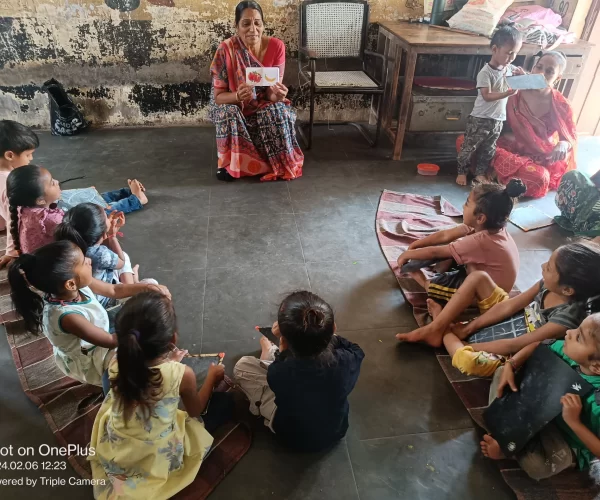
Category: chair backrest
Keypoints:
(334, 28)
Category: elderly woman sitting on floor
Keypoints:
(255, 124)
(539, 139)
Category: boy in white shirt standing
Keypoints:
(485, 123)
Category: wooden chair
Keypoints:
(333, 34)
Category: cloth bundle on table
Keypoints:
(255, 137)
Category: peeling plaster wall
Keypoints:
(147, 63)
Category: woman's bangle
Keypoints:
(512, 363)
(237, 97)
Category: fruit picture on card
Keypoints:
(262, 77)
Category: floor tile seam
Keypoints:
(299, 238)
(338, 261)
(351, 468)
(245, 214)
(384, 438)
(205, 273)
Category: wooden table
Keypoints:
(398, 40)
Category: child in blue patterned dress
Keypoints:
(90, 229)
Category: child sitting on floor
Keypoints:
(572, 438)
(32, 195)
(145, 446)
(484, 125)
(302, 390)
(480, 243)
(90, 229)
(552, 306)
(53, 290)
(14, 137)
(17, 144)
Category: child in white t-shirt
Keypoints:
(489, 112)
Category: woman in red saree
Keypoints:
(254, 124)
(541, 147)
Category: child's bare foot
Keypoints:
(136, 273)
(490, 448)
(461, 180)
(434, 308)
(138, 190)
(428, 334)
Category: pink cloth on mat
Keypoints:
(36, 227)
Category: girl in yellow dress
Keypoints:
(145, 446)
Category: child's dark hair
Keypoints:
(306, 321)
(45, 270)
(23, 188)
(247, 4)
(496, 202)
(506, 35)
(84, 225)
(145, 327)
(16, 137)
(595, 334)
(578, 266)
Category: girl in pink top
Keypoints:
(32, 195)
(481, 243)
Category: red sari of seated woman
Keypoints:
(254, 137)
(526, 153)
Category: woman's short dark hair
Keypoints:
(496, 202)
(578, 267)
(306, 321)
(84, 225)
(242, 6)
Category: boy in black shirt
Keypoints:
(302, 389)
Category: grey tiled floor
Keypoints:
(230, 252)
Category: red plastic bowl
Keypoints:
(427, 169)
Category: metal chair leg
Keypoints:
(378, 129)
(311, 119)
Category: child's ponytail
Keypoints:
(307, 323)
(515, 188)
(84, 225)
(496, 202)
(14, 226)
(23, 189)
(27, 301)
(145, 326)
(44, 271)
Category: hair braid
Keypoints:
(14, 226)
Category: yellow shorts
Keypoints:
(479, 363)
(498, 295)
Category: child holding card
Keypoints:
(485, 123)
(571, 439)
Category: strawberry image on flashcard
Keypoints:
(262, 77)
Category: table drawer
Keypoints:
(439, 113)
